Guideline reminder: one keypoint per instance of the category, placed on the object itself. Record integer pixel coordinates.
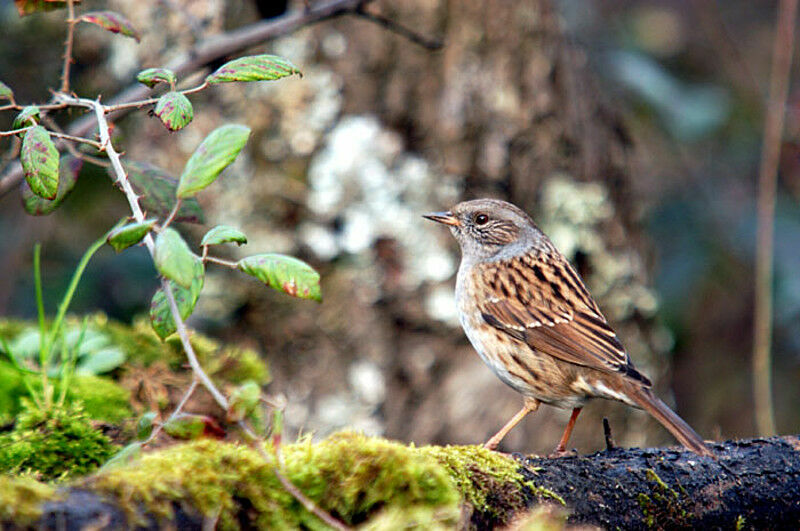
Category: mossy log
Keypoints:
(754, 484)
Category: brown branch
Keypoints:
(68, 45)
(398, 29)
(767, 184)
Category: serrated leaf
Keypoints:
(174, 110)
(123, 457)
(189, 426)
(70, 168)
(253, 68)
(223, 234)
(102, 361)
(40, 158)
(153, 76)
(284, 273)
(111, 21)
(27, 116)
(156, 189)
(145, 425)
(130, 234)
(27, 7)
(173, 258)
(160, 315)
(213, 155)
(5, 92)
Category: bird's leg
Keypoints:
(562, 445)
(531, 405)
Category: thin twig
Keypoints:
(68, 46)
(175, 413)
(151, 101)
(767, 184)
(610, 445)
(65, 136)
(172, 214)
(53, 126)
(220, 261)
(15, 131)
(43, 107)
(395, 27)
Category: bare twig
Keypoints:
(398, 29)
(77, 139)
(610, 445)
(68, 46)
(767, 183)
(15, 131)
(172, 214)
(151, 101)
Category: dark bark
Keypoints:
(755, 483)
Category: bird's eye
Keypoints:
(481, 219)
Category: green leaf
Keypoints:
(253, 68)
(223, 234)
(153, 76)
(285, 273)
(173, 258)
(102, 361)
(213, 155)
(40, 159)
(111, 21)
(175, 110)
(5, 92)
(125, 456)
(160, 315)
(190, 426)
(156, 189)
(130, 234)
(70, 168)
(27, 116)
(145, 425)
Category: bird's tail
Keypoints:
(645, 399)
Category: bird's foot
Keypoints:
(562, 452)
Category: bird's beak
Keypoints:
(446, 218)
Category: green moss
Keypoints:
(662, 504)
(56, 444)
(479, 473)
(349, 475)
(21, 499)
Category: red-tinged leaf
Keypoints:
(5, 92)
(130, 234)
(284, 273)
(111, 21)
(153, 76)
(173, 258)
(174, 110)
(156, 189)
(27, 116)
(253, 68)
(190, 426)
(213, 155)
(40, 158)
(27, 7)
(160, 315)
(69, 170)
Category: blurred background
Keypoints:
(630, 130)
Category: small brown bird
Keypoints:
(531, 319)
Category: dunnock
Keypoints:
(531, 319)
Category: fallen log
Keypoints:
(753, 484)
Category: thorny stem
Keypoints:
(770, 158)
(68, 46)
(133, 201)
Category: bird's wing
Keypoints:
(541, 300)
